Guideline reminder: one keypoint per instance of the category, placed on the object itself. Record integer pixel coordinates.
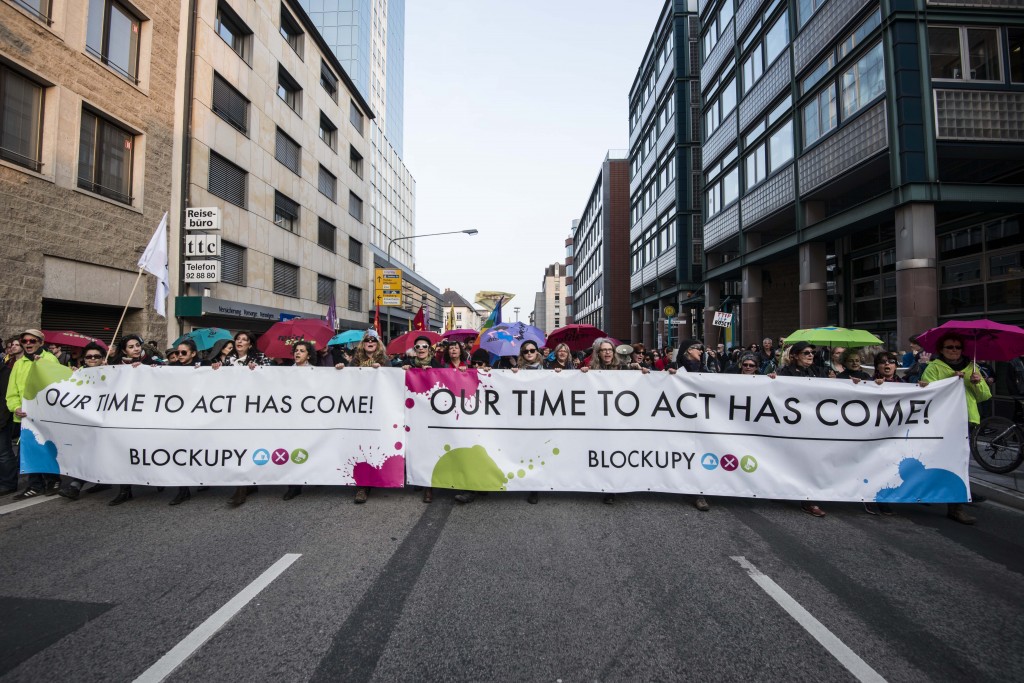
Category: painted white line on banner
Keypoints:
(837, 648)
(22, 504)
(202, 633)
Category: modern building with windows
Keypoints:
(601, 256)
(665, 247)
(548, 307)
(86, 120)
(570, 255)
(864, 163)
(276, 134)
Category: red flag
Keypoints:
(376, 322)
(419, 323)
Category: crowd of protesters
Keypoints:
(800, 359)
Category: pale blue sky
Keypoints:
(510, 107)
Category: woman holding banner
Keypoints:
(244, 355)
(303, 354)
(454, 355)
(562, 360)
(951, 362)
(530, 359)
(369, 354)
(800, 363)
(422, 358)
(130, 351)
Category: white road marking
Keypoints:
(206, 630)
(22, 504)
(847, 657)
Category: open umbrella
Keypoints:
(75, 340)
(834, 336)
(576, 337)
(983, 339)
(347, 337)
(403, 343)
(461, 335)
(504, 339)
(204, 337)
(277, 341)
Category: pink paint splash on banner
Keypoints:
(423, 380)
(391, 473)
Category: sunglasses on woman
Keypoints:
(92, 356)
(420, 347)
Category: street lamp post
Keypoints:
(391, 242)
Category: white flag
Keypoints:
(154, 261)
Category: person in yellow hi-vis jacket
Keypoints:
(32, 343)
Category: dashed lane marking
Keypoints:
(22, 504)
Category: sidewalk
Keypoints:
(1007, 489)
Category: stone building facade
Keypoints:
(86, 148)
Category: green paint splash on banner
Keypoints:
(468, 468)
(42, 375)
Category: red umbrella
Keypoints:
(983, 339)
(577, 337)
(72, 339)
(403, 343)
(460, 335)
(277, 341)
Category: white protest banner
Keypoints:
(231, 426)
(722, 435)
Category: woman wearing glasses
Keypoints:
(93, 356)
(852, 367)
(245, 353)
(369, 354)
(423, 357)
(562, 360)
(885, 368)
(950, 361)
(801, 364)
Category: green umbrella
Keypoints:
(834, 336)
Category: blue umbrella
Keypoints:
(504, 339)
(347, 337)
(205, 337)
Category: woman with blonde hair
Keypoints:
(561, 359)
(370, 352)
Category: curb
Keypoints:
(997, 493)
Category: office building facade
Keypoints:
(665, 247)
(864, 163)
(601, 255)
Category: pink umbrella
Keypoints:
(277, 341)
(404, 342)
(983, 339)
(460, 335)
(75, 340)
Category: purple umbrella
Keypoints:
(983, 339)
(504, 339)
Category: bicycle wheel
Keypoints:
(998, 445)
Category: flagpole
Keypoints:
(124, 313)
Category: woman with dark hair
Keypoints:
(529, 359)
(245, 352)
(950, 361)
(423, 357)
(885, 368)
(455, 356)
(186, 355)
(130, 351)
(852, 367)
(220, 351)
(93, 356)
(303, 356)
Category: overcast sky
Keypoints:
(510, 108)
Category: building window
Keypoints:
(328, 132)
(327, 184)
(286, 213)
(21, 119)
(288, 152)
(232, 264)
(291, 32)
(820, 115)
(769, 156)
(355, 161)
(1016, 45)
(355, 117)
(227, 181)
(980, 269)
(229, 104)
(38, 8)
(807, 8)
(286, 278)
(716, 24)
(324, 289)
(289, 90)
(355, 207)
(863, 82)
(105, 158)
(355, 298)
(355, 251)
(328, 81)
(232, 31)
(113, 37)
(325, 234)
(964, 53)
(721, 105)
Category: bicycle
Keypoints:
(998, 444)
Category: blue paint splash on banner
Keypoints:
(924, 485)
(37, 458)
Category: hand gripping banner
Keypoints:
(231, 426)
(721, 435)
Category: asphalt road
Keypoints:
(569, 589)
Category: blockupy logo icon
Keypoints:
(729, 462)
(280, 456)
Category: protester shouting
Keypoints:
(369, 354)
(245, 353)
(8, 458)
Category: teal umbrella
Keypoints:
(347, 337)
(205, 337)
(834, 336)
